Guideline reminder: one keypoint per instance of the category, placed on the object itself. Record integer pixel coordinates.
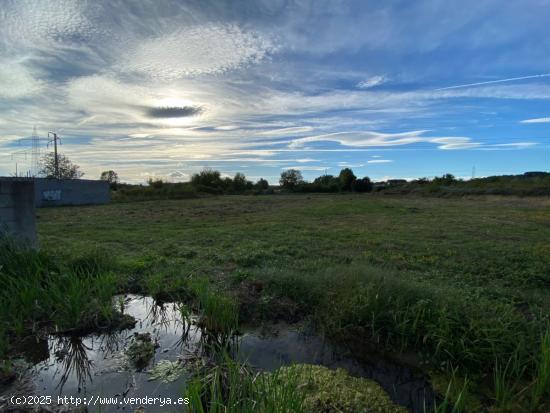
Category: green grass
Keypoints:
(231, 387)
(39, 292)
(463, 283)
(219, 314)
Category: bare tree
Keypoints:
(67, 169)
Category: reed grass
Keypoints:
(232, 387)
(219, 313)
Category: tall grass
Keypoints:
(219, 313)
(231, 387)
(451, 328)
(541, 384)
(36, 291)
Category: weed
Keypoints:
(541, 385)
(219, 314)
(453, 403)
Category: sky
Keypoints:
(165, 88)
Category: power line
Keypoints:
(55, 139)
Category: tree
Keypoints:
(156, 183)
(446, 179)
(325, 180)
(262, 184)
(207, 177)
(362, 185)
(111, 177)
(239, 182)
(290, 179)
(347, 178)
(67, 169)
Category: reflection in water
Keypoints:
(72, 357)
(70, 363)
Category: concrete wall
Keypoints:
(57, 192)
(17, 216)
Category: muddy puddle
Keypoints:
(97, 365)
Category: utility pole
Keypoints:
(56, 160)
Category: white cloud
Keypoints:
(350, 165)
(362, 139)
(17, 81)
(536, 120)
(306, 168)
(511, 79)
(373, 139)
(371, 82)
(201, 49)
(380, 161)
(47, 22)
(287, 131)
(454, 142)
(514, 145)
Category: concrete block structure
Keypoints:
(17, 210)
(58, 192)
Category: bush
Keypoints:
(362, 185)
(262, 184)
(207, 178)
(155, 183)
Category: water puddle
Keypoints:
(97, 365)
(404, 385)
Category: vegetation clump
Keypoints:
(166, 371)
(141, 350)
(232, 387)
(329, 390)
(219, 313)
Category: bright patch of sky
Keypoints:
(165, 88)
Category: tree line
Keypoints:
(346, 181)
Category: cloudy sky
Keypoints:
(390, 88)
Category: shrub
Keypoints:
(207, 178)
(362, 185)
(262, 184)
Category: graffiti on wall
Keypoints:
(52, 195)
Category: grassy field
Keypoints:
(463, 285)
(493, 246)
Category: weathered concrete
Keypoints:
(17, 210)
(58, 192)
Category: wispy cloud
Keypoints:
(536, 120)
(511, 79)
(371, 82)
(380, 161)
(306, 168)
(17, 81)
(378, 139)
